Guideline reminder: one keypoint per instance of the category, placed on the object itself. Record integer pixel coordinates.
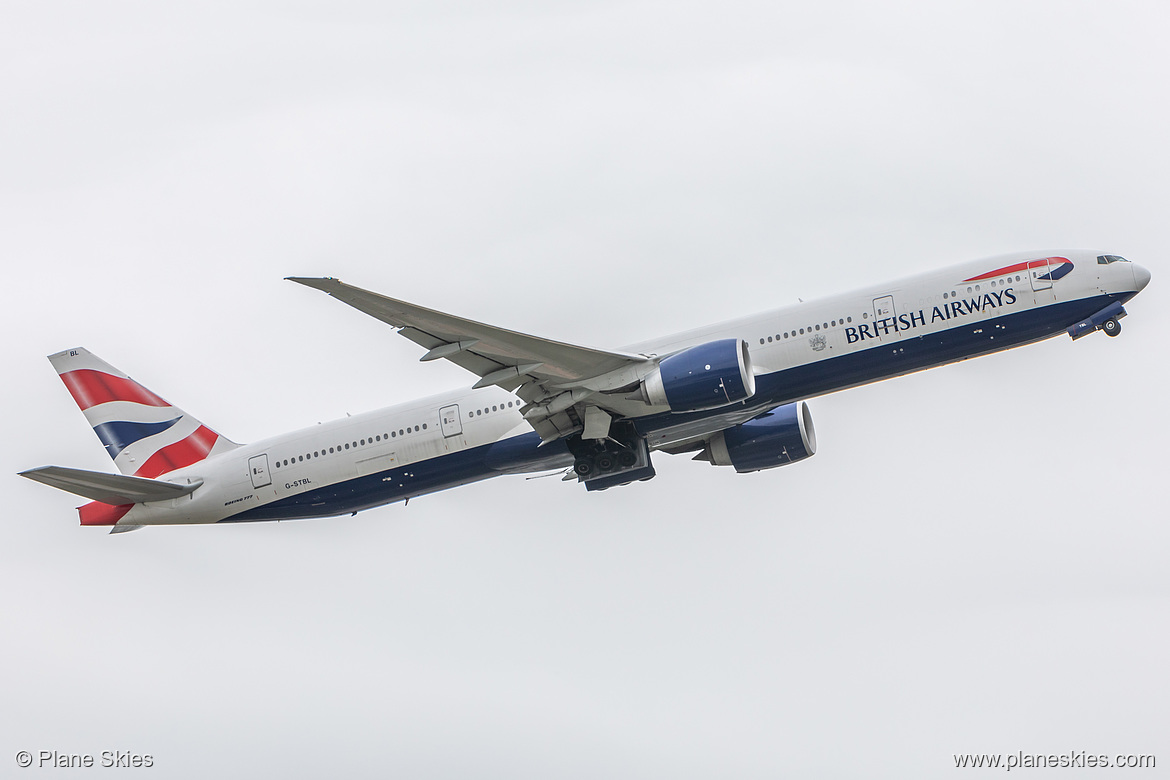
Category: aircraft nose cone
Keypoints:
(1141, 277)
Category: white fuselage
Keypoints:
(797, 351)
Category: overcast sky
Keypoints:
(975, 560)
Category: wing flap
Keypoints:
(113, 489)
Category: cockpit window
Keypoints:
(1107, 259)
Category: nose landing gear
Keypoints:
(1108, 320)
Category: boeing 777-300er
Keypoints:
(733, 393)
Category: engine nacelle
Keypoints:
(704, 377)
(782, 436)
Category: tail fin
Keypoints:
(145, 435)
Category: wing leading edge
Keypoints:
(552, 377)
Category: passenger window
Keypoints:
(416, 429)
(424, 426)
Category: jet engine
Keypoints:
(707, 376)
(782, 436)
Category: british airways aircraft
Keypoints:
(732, 393)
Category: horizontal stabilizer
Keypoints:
(113, 489)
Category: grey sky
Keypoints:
(975, 560)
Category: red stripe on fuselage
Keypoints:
(97, 513)
(1011, 269)
(182, 453)
(91, 388)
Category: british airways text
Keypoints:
(912, 320)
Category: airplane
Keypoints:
(734, 394)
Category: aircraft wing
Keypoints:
(551, 376)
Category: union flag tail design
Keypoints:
(145, 435)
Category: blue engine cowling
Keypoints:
(708, 376)
(782, 436)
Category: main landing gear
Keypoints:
(1112, 327)
(618, 460)
(604, 460)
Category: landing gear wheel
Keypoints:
(1111, 327)
(583, 467)
(626, 458)
(605, 462)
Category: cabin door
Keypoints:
(258, 469)
(449, 420)
(883, 309)
(1040, 275)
